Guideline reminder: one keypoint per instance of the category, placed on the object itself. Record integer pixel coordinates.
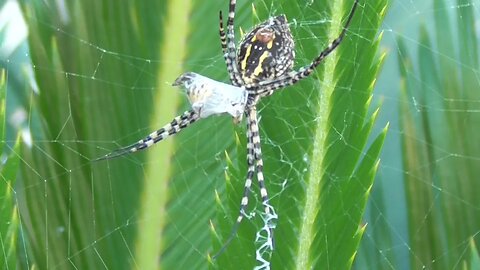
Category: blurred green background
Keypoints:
(92, 76)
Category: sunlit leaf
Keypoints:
(9, 222)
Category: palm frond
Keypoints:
(441, 190)
(8, 201)
(319, 169)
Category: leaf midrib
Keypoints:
(154, 198)
(313, 187)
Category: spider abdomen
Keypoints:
(267, 51)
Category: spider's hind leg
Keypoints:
(269, 217)
(254, 163)
(246, 192)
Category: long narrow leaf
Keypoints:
(313, 150)
(441, 189)
(9, 222)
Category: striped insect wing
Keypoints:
(267, 51)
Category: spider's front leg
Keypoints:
(227, 41)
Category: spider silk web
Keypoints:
(91, 211)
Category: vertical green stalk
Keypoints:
(8, 173)
(154, 198)
(313, 188)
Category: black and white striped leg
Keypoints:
(223, 35)
(230, 60)
(269, 217)
(267, 88)
(228, 45)
(178, 124)
(246, 190)
(230, 30)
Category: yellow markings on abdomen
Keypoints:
(259, 67)
(247, 54)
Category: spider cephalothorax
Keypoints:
(267, 51)
(262, 65)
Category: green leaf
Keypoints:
(439, 122)
(474, 256)
(317, 170)
(9, 222)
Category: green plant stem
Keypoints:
(317, 170)
(154, 199)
